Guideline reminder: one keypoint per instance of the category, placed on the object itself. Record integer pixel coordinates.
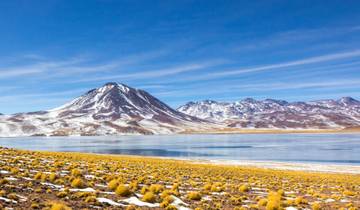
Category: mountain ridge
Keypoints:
(117, 109)
(279, 114)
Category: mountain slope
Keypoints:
(109, 110)
(277, 114)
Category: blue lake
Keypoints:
(314, 148)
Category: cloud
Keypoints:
(156, 73)
(256, 89)
(297, 36)
(311, 60)
(37, 68)
(152, 86)
(46, 68)
(278, 66)
(348, 83)
(43, 95)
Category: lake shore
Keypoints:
(355, 130)
(292, 166)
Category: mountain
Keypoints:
(279, 114)
(116, 109)
(109, 110)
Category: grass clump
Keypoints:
(244, 188)
(131, 207)
(3, 181)
(14, 171)
(76, 173)
(38, 176)
(91, 199)
(122, 190)
(273, 201)
(156, 188)
(207, 187)
(35, 206)
(196, 196)
(216, 188)
(149, 197)
(62, 194)
(170, 207)
(316, 206)
(300, 200)
(349, 193)
(144, 190)
(59, 206)
(78, 183)
(52, 177)
(133, 185)
(262, 202)
(113, 184)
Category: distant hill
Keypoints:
(279, 114)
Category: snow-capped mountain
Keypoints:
(115, 109)
(109, 110)
(269, 113)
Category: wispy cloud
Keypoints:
(44, 95)
(297, 36)
(39, 67)
(259, 88)
(349, 83)
(157, 73)
(278, 66)
(4, 89)
(311, 60)
(152, 86)
(49, 68)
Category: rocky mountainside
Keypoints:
(109, 110)
(278, 114)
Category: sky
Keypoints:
(179, 51)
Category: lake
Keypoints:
(302, 148)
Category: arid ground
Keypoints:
(60, 181)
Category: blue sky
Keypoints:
(179, 51)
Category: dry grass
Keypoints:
(39, 180)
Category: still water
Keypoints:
(314, 148)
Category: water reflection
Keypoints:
(320, 148)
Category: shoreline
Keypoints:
(312, 167)
(276, 131)
(327, 168)
(271, 165)
(225, 131)
(288, 166)
(251, 164)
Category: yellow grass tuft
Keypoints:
(123, 190)
(149, 197)
(59, 206)
(78, 183)
(196, 196)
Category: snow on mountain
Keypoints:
(112, 109)
(270, 113)
(116, 109)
